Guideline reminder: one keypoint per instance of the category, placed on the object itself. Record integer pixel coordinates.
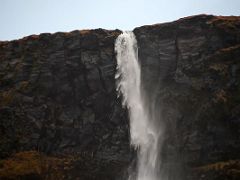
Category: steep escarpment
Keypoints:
(58, 98)
(191, 70)
(60, 117)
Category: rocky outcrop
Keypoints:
(58, 101)
(191, 71)
(58, 97)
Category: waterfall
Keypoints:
(144, 132)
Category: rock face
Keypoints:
(58, 99)
(191, 72)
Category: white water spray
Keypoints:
(144, 133)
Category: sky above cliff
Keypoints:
(20, 18)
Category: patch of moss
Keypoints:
(221, 96)
(83, 32)
(225, 22)
(224, 169)
(221, 68)
(23, 85)
(34, 164)
(7, 97)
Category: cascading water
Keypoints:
(144, 133)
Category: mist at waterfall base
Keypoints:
(145, 131)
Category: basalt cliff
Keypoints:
(61, 118)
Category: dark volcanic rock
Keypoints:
(57, 97)
(191, 72)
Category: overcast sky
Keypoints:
(20, 18)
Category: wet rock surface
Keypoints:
(191, 71)
(57, 97)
